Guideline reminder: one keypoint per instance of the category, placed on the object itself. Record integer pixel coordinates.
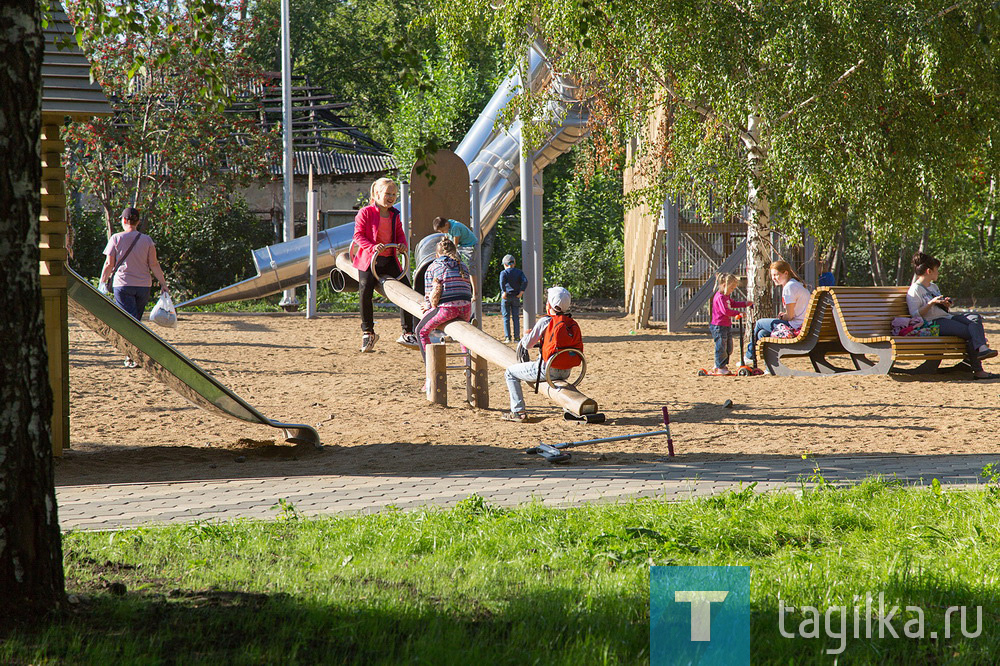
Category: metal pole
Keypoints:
(672, 246)
(527, 242)
(477, 273)
(617, 438)
(538, 255)
(288, 165)
(404, 209)
(312, 212)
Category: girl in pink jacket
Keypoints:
(724, 307)
(376, 226)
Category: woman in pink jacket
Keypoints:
(376, 226)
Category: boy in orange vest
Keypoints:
(558, 331)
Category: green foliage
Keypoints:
(583, 212)
(171, 134)
(411, 88)
(584, 249)
(206, 246)
(432, 114)
(883, 111)
(481, 584)
(89, 238)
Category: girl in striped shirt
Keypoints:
(449, 290)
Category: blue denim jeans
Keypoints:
(969, 327)
(526, 372)
(132, 300)
(723, 338)
(510, 308)
(761, 329)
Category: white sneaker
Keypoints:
(408, 340)
(368, 341)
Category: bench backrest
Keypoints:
(868, 311)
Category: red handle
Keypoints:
(666, 423)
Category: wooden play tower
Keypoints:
(672, 255)
(68, 94)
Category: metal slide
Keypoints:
(493, 157)
(162, 360)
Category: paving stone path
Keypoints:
(131, 504)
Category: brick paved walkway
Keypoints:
(132, 504)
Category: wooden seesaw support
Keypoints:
(480, 344)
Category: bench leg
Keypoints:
(819, 361)
(934, 367)
(879, 367)
(861, 362)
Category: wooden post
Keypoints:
(480, 381)
(52, 254)
(437, 375)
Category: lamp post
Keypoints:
(288, 300)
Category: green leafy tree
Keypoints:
(207, 246)
(167, 137)
(411, 86)
(813, 107)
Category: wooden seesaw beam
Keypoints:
(480, 343)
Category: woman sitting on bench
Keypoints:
(924, 300)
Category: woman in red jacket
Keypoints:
(376, 226)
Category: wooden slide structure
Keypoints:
(479, 343)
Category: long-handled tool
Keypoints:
(554, 452)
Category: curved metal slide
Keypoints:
(493, 157)
(162, 360)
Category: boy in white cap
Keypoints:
(557, 331)
(513, 282)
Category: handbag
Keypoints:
(118, 264)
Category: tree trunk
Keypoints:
(31, 574)
(991, 213)
(878, 275)
(838, 264)
(901, 262)
(925, 237)
(758, 232)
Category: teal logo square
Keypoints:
(699, 615)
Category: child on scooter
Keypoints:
(723, 308)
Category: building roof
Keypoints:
(330, 163)
(66, 84)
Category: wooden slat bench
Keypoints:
(817, 338)
(863, 318)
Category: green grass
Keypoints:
(484, 585)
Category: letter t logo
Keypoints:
(701, 607)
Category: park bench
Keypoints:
(816, 339)
(863, 318)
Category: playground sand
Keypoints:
(374, 420)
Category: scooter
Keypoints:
(746, 370)
(743, 370)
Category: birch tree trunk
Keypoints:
(31, 574)
(758, 230)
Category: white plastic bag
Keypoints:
(163, 312)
